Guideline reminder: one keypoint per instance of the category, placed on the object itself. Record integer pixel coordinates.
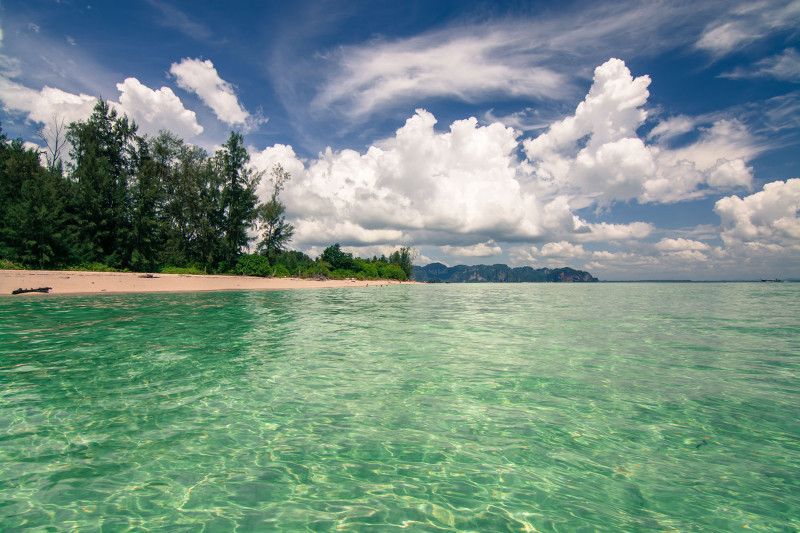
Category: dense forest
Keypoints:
(128, 202)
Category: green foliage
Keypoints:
(5, 264)
(339, 260)
(132, 202)
(193, 270)
(392, 271)
(104, 151)
(281, 271)
(275, 231)
(238, 197)
(341, 273)
(92, 267)
(253, 265)
(33, 214)
(404, 258)
(316, 270)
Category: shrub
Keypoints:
(392, 271)
(280, 271)
(92, 267)
(182, 270)
(5, 264)
(318, 270)
(253, 265)
(341, 273)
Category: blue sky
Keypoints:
(636, 140)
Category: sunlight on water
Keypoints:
(532, 407)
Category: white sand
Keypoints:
(67, 282)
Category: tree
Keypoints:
(147, 198)
(105, 157)
(53, 138)
(339, 260)
(275, 231)
(238, 196)
(404, 258)
(33, 216)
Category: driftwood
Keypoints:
(23, 291)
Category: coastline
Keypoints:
(76, 282)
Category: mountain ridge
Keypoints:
(498, 273)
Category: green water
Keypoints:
(531, 407)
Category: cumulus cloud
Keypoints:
(562, 250)
(154, 110)
(151, 109)
(597, 156)
(766, 217)
(463, 190)
(41, 106)
(483, 249)
(201, 78)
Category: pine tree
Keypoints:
(276, 232)
(238, 197)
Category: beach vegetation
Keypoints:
(337, 258)
(253, 265)
(192, 270)
(275, 231)
(5, 264)
(281, 271)
(92, 267)
(239, 200)
(128, 202)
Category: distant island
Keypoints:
(439, 273)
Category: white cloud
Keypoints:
(201, 78)
(596, 155)
(681, 245)
(725, 139)
(604, 232)
(41, 106)
(562, 250)
(464, 189)
(483, 249)
(748, 23)
(459, 182)
(154, 110)
(464, 186)
(458, 65)
(766, 217)
(672, 127)
(784, 66)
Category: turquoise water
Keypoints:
(531, 407)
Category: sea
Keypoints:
(446, 407)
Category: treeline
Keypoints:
(129, 202)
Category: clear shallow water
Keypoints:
(531, 407)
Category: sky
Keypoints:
(635, 140)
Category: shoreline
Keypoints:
(78, 282)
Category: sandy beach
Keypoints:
(68, 282)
